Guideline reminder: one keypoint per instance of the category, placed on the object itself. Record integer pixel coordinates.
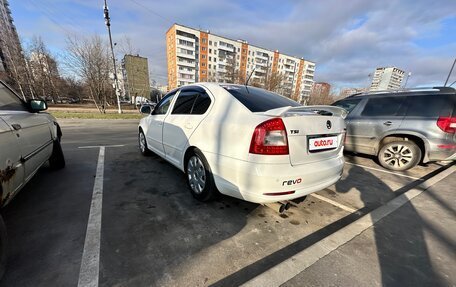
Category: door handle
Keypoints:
(388, 123)
(16, 127)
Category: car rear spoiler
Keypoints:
(310, 110)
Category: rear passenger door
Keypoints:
(378, 117)
(190, 108)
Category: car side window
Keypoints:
(202, 103)
(383, 106)
(9, 101)
(163, 106)
(184, 102)
(431, 105)
(192, 101)
(348, 105)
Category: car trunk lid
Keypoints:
(314, 133)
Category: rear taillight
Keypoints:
(447, 124)
(270, 137)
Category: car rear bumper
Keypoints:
(441, 150)
(253, 181)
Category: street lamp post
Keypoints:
(108, 25)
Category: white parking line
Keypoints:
(381, 170)
(291, 267)
(330, 201)
(97, 146)
(90, 263)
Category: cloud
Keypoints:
(347, 39)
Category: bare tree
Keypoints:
(88, 58)
(317, 97)
(125, 46)
(42, 70)
(273, 81)
(232, 74)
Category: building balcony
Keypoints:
(226, 48)
(289, 68)
(186, 64)
(183, 46)
(182, 37)
(186, 72)
(185, 55)
(179, 78)
(262, 64)
(262, 56)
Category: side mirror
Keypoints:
(146, 109)
(37, 105)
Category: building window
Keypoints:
(210, 51)
(203, 56)
(210, 43)
(204, 41)
(237, 57)
(244, 51)
(203, 48)
(203, 72)
(209, 66)
(215, 44)
(203, 64)
(210, 58)
(239, 49)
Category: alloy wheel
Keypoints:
(398, 155)
(196, 174)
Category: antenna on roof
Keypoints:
(248, 79)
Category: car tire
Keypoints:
(199, 177)
(3, 247)
(399, 155)
(57, 159)
(142, 143)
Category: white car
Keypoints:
(245, 142)
(28, 139)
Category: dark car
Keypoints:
(404, 127)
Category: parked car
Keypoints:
(28, 139)
(404, 127)
(245, 142)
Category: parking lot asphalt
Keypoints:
(153, 233)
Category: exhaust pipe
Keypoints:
(277, 206)
(286, 204)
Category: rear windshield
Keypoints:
(348, 105)
(259, 100)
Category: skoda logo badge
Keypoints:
(328, 124)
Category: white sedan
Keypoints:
(245, 142)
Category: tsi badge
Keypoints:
(291, 181)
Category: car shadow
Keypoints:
(153, 227)
(400, 244)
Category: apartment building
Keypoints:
(135, 76)
(199, 56)
(10, 46)
(387, 78)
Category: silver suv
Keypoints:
(404, 127)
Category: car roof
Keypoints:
(406, 92)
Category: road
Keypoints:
(153, 233)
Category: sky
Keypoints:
(346, 39)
